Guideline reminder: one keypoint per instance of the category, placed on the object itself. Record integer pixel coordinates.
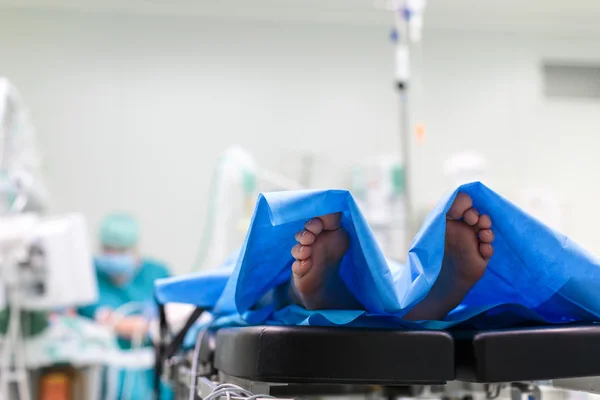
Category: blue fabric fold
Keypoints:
(536, 274)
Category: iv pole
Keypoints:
(402, 85)
(407, 18)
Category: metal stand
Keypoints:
(590, 384)
(403, 49)
(517, 390)
(405, 147)
(12, 358)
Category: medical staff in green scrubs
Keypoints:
(125, 277)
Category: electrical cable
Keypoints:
(194, 371)
(259, 396)
(228, 389)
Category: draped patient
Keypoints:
(323, 242)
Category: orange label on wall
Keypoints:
(420, 133)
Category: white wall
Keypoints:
(485, 93)
(132, 111)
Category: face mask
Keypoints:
(115, 265)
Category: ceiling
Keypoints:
(548, 16)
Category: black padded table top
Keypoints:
(330, 355)
(527, 354)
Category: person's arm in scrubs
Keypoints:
(126, 327)
(132, 326)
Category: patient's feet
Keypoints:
(466, 254)
(322, 244)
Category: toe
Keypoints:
(486, 250)
(331, 222)
(300, 268)
(300, 252)
(315, 226)
(305, 238)
(485, 222)
(486, 235)
(471, 216)
(462, 203)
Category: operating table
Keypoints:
(535, 268)
(293, 361)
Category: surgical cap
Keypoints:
(119, 230)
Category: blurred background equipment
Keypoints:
(544, 204)
(45, 262)
(20, 160)
(379, 188)
(236, 182)
(46, 254)
(464, 167)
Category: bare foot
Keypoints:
(467, 252)
(323, 243)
